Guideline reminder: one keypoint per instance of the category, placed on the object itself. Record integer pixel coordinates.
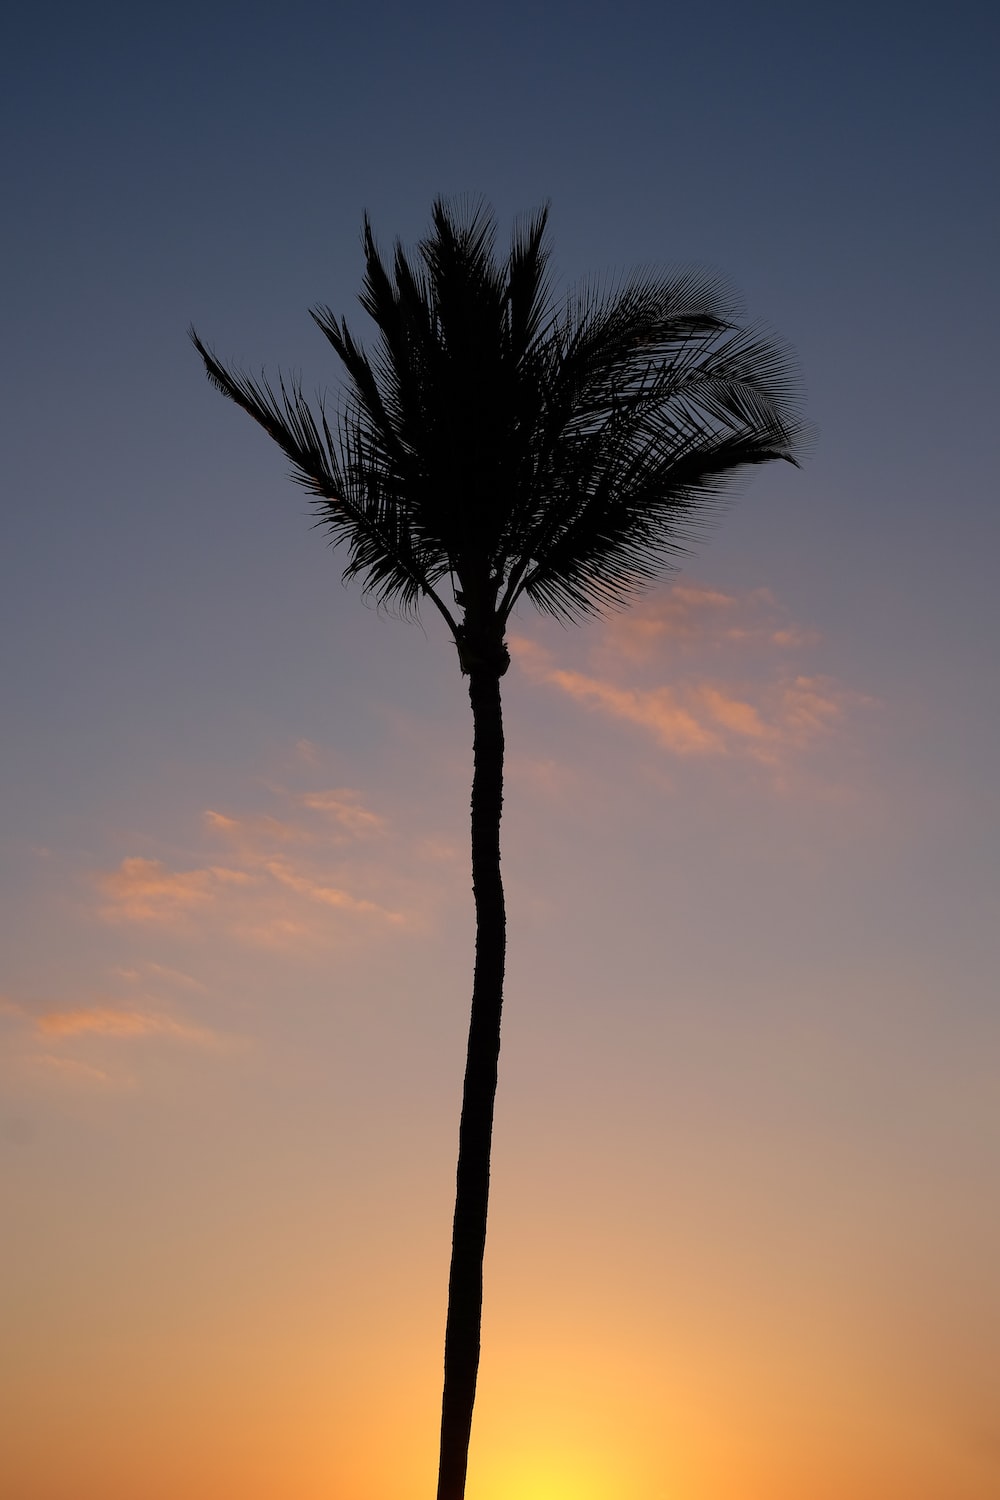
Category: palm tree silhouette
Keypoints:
(500, 443)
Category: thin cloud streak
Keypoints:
(105, 1018)
(691, 614)
(109, 1021)
(145, 890)
(326, 849)
(700, 713)
(107, 1030)
(73, 1070)
(326, 894)
(344, 806)
(657, 709)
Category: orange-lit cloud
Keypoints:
(657, 709)
(104, 1019)
(244, 901)
(701, 718)
(73, 1070)
(328, 895)
(170, 976)
(254, 830)
(345, 808)
(729, 690)
(322, 847)
(102, 1025)
(690, 614)
(110, 1021)
(343, 817)
(144, 890)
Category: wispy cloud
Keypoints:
(656, 709)
(328, 895)
(294, 870)
(111, 1021)
(343, 817)
(693, 615)
(325, 848)
(248, 832)
(75, 1071)
(48, 1040)
(145, 890)
(174, 977)
(103, 1018)
(707, 674)
(346, 809)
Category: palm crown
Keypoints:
(497, 442)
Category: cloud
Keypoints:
(51, 1038)
(74, 1071)
(144, 890)
(692, 615)
(175, 976)
(307, 868)
(111, 1021)
(326, 894)
(248, 832)
(105, 1019)
(811, 704)
(158, 971)
(344, 806)
(656, 709)
(758, 709)
(343, 817)
(253, 896)
(708, 719)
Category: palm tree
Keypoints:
(496, 444)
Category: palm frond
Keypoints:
(491, 435)
(353, 495)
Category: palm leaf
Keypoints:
(517, 446)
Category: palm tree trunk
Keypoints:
(465, 1284)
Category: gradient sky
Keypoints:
(745, 1227)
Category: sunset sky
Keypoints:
(745, 1222)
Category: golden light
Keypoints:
(548, 1475)
(582, 1470)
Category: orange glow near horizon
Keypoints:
(739, 1248)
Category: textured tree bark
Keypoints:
(465, 1283)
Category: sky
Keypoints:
(744, 1226)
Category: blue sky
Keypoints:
(768, 948)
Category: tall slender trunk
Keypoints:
(465, 1284)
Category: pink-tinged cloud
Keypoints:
(175, 976)
(277, 934)
(690, 614)
(74, 1071)
(655, 709)
(701, 718)
(328, 895)
(159, 971)
(732, 714)
(247, 833)
(343, 818)
(110, 1021)
(811, 704)
(247, 903)
(345, 807)
(327, 870)
(144, 890)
